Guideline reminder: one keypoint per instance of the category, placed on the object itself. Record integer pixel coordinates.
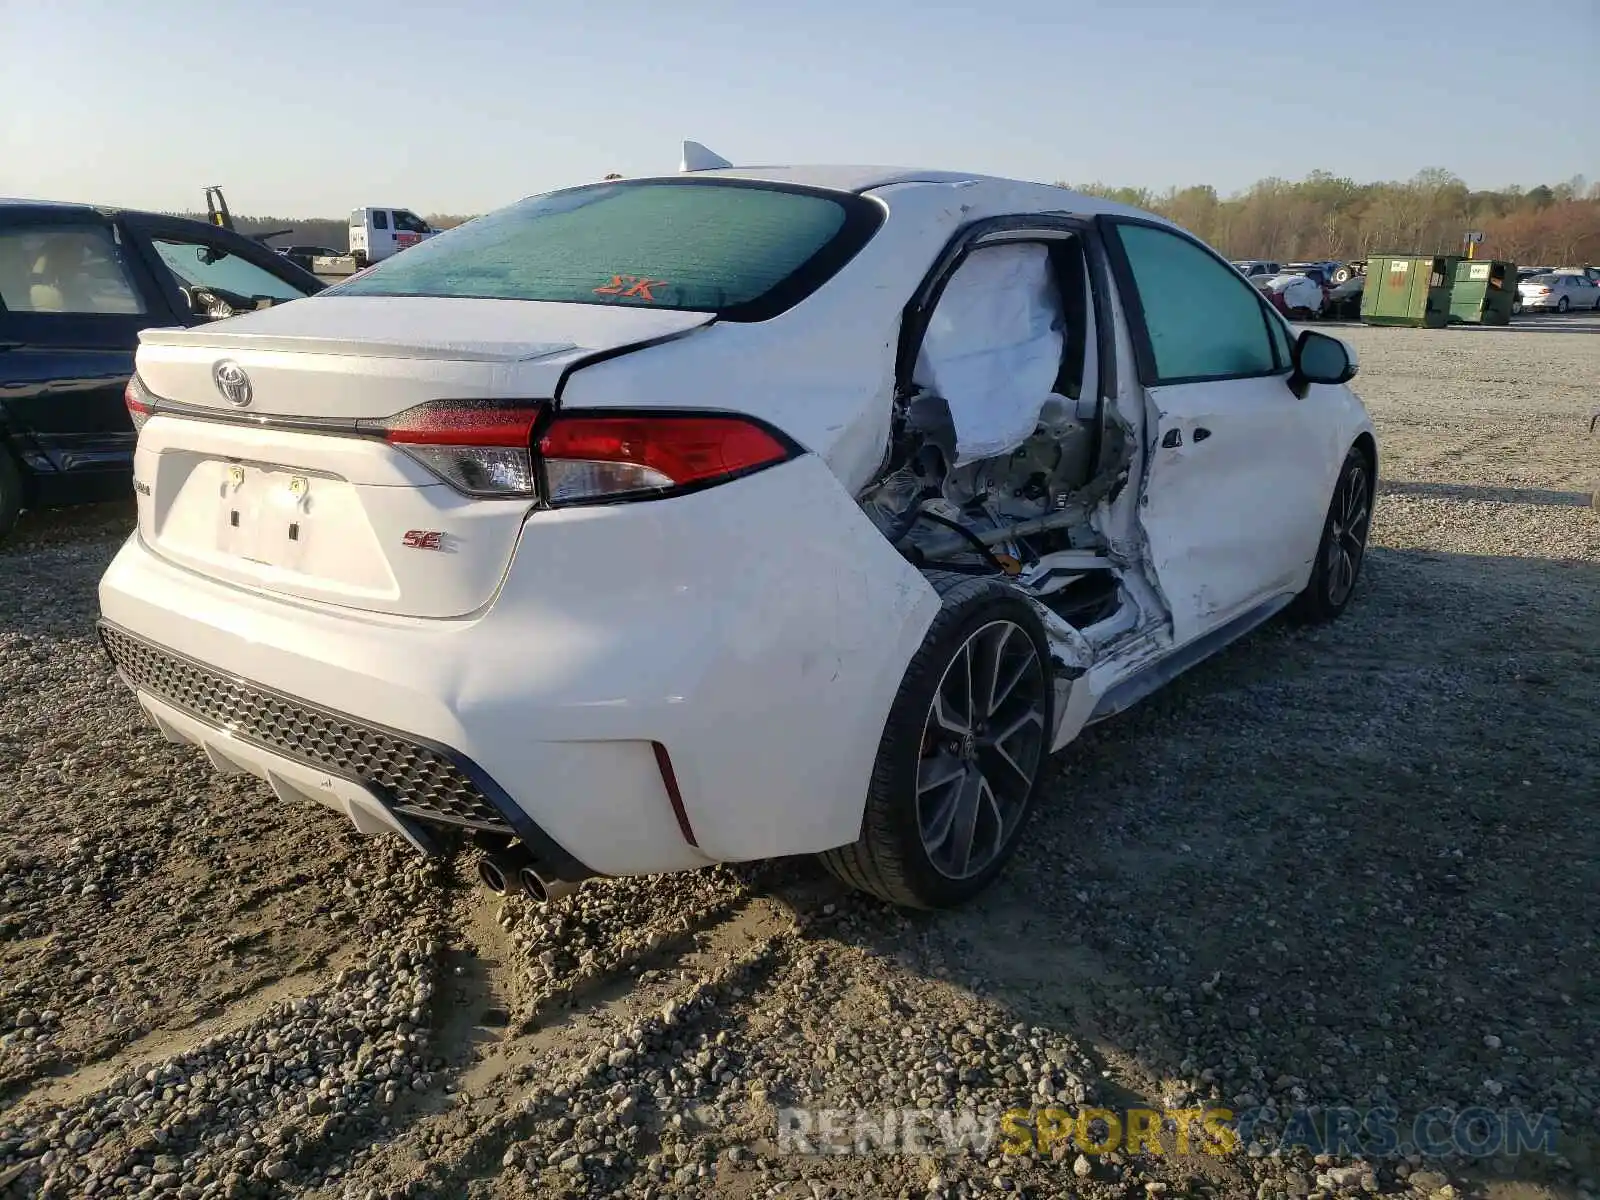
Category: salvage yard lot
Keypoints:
(1351, 866)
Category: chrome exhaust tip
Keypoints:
(541, 890)
(498, 868)
(492, 875)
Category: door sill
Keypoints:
(1168, 667)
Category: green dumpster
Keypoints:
(1408, 289)
(1483, 292)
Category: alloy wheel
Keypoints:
(983, 744)
(1346, 540)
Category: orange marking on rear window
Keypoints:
(631, 287)
(641, 288)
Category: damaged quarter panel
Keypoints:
(758, 631)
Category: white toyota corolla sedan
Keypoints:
(727, 515)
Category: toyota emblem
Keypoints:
(232, 382)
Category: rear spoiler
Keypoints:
(212, 338)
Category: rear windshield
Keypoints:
(743, 251)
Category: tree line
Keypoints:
(1323, 216)
(1326, 216)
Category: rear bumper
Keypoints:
(382, 779)
(757, 632)
(289, 778)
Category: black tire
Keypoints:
(1343, 275)
(1516, 308)
(1562, 305)
(1333, 583)
(10, 492)
(360, 260)
(890, 860)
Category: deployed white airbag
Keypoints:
(993, 348)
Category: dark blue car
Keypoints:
(77, 284)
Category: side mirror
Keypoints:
(206, 305)
(1319, 358)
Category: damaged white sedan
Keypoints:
(727, 515)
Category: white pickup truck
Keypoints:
(377, 233)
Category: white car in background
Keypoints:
(1558, 291)
(728, 515)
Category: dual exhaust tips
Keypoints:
(511, 869)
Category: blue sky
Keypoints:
(304, 109)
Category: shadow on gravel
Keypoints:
(50, 570)
(1571, 322)
(56, 526)
(1354, 865)
(1578, 322)
(1498, 495)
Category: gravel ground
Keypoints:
(1344, 867)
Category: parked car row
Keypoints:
(1308, 290)
(1300, 291)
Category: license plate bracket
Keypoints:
(263, 515)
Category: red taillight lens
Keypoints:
(139, 402)
(478, 447)
(593, 457)
(460, 423)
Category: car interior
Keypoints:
(64, 271)
(997, 437)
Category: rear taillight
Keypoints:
(590, 456)
(488, 449)
(478, 447)
(139, 401)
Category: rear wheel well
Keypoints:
(891, 858)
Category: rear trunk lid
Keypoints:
(281, 493)
(338, 358)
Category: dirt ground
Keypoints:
(1353, 867)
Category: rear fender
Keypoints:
(758, 631)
